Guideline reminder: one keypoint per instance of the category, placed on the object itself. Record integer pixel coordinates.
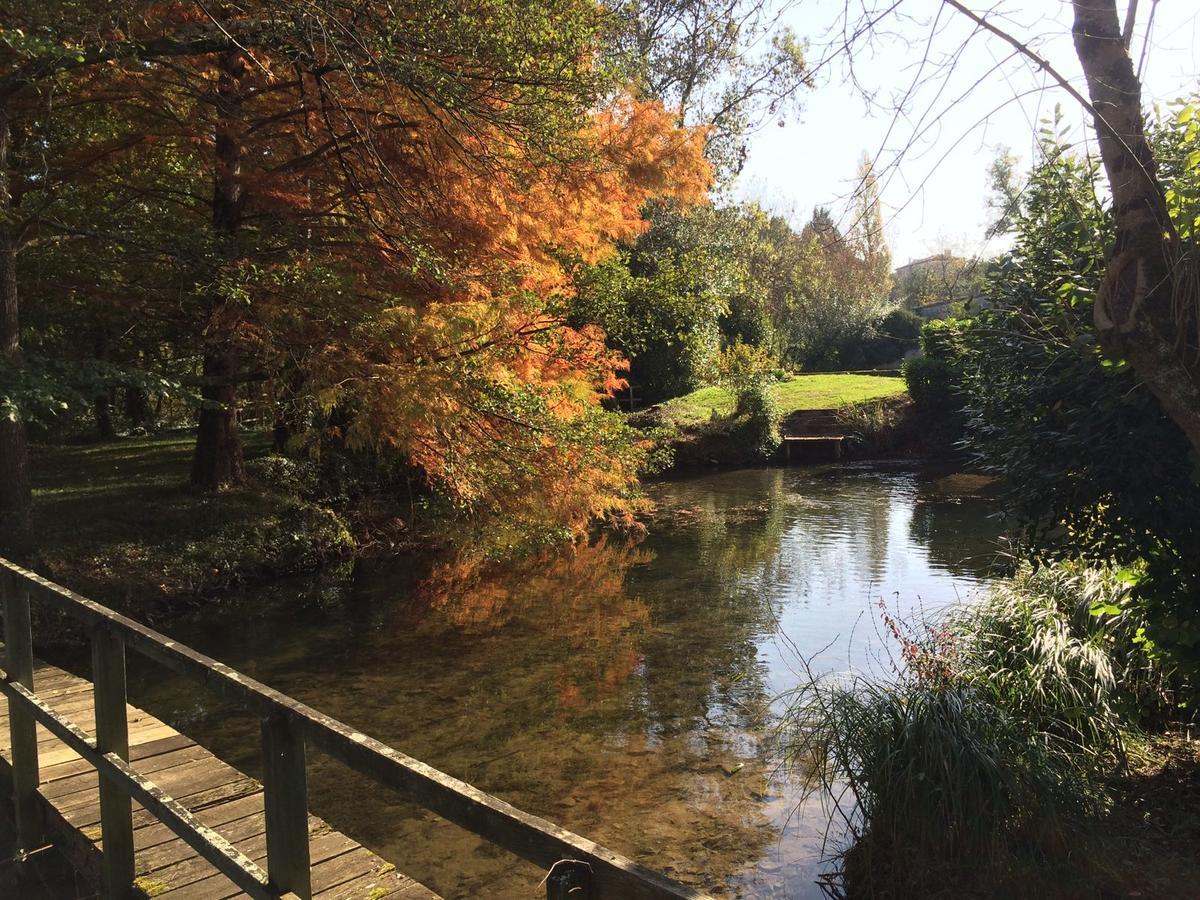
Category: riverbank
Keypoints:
(118, 522)
(152, 546)
(871, 413)
(1027, 744)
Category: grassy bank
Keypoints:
(119, 522)
(800, 392)
(703, 430)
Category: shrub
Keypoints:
(761, 412)
(870, 425)
(929, 383)
(747, 372)
(902, 325)
(284, 475)
(996, 735)
(934, 379)
(295, 537)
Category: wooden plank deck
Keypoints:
(219, 795)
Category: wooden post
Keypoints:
(286, 807)
(569, 879)
(18, 641)
(112, 736)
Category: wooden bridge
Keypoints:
(145, 811)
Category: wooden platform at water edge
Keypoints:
(144, 811)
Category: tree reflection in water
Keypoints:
(624, 690)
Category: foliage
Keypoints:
(743, 369)
(892, 337)
(367, 233)
(285, 475)
(944, 277)
(660, 301)
(841, 283)
(930, 383)
(1066, 426)
(705, 277)
(934, 379)
(726, 65)
(869, 425)
(746, 373)
(296, 536)
(760, 428)
(994, 739)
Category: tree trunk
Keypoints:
(217, 462)
(1146, 309)
(102, 409)
(102, 402)
(16, 495)
(137, 408)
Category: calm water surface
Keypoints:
(629, 692)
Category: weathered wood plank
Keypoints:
(381, 883)
(62, 788)
(220, 797)
(112, 736)
(327, 846)
(219, 817)
(22, 729)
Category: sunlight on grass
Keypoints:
(823, 391)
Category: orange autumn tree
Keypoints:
(380, 205)
(474, 375)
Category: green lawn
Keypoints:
(119, 522)
(827, 391)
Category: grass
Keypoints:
(118, 521)
(999, 751)
(800, 392)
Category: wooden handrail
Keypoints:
(288, 726)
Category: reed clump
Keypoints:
(998, 733)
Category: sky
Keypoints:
(933, 157)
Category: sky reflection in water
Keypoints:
(628, 692)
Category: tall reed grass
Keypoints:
(995, 736)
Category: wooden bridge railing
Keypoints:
(578, 867)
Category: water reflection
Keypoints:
(625, 691)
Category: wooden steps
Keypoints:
(218, 794)
(813, 448)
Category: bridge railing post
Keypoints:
(18, 643)
(569, 879)
(112, 736)
(286, 807)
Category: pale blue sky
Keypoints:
(935, 193)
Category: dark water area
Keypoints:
(629, 691)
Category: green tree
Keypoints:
(725, 65)
(1068, 424)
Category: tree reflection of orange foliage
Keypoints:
(576, 598)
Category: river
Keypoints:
(630, 691)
